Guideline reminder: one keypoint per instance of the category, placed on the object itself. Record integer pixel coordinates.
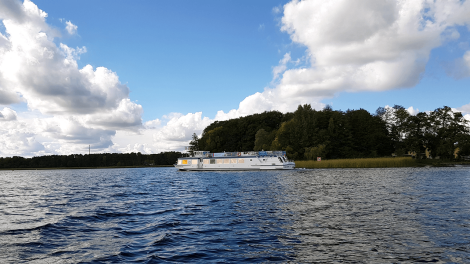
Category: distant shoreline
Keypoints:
(307, 164)
(84, 168)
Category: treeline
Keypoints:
(442, 132)
(93, 160)
(308, 133)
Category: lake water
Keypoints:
(160, 215)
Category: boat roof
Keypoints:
(238, 154)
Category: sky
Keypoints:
(143, 76)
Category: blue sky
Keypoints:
(182, 56)
(190, 56)
(145, 75)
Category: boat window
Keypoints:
(241, 161)
(233, 160)
(219, 161)
(184, 162)
(206, 161)
(212, 161)
(194, 162)
(226, 161)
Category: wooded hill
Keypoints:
(93, 160)
(308, 133)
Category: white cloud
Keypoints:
(281, 68)
(181, 127)
(7, 114)
(127, 116)
(19, 144)
(18, 138)
(47, 77)
(75, 107)
(174, 135)
(467, 117)
(356, 46)
(412, 111)
(71, 53)
(71, 28)
(153, 124)
(464, 109)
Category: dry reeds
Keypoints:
(357, 163)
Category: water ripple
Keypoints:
(160, 215)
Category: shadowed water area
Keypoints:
(160, 215)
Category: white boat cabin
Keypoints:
(252, 160)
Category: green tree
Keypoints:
(263, 140)
(445, 129)
(314, 152)
(416, 140)
(194, 144)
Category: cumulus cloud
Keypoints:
(464, 109)
(127, 116)
(47, 76)
(412, 111)
(152, 124)
(71, 130)
(181, 127)
(355, 46)
(7, 114)
(78, 106)
(13, 144)
(71, 28)
(172, 133)
(12, 10)
(18, 138)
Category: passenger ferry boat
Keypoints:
(234, 161)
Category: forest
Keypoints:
(93, 160)
(305, 135)
(331, 134)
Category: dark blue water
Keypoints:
(160, 215)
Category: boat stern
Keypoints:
(289, 165)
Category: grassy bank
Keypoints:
(357, 163)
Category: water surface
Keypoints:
(160, 215)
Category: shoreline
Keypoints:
(86, 168)
(312, 164)
(384, 162)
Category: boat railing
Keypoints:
(236, 154)
(271, 153)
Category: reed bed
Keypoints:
(357, 163)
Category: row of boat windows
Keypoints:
(212, 161)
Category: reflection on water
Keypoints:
(369, 214)
(156, 215)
